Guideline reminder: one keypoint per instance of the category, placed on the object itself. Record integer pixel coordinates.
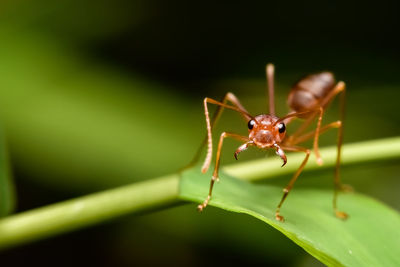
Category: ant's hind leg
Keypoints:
(216, 168)
(316, 137)
(337, 181)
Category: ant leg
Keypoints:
(307, 136)
(338, 185)
(337, 181)
(293, 139)
(228, 97)
(289, 187)
(239, 108)
(216, 168)
(340, 88)
(303, 127)
(316, 137)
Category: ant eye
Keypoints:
(251, 124)
(281, 127)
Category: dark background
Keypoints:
(90, 91)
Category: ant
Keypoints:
(308, 99)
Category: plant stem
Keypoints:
(366, 151)
(161, 192)
(88, 210)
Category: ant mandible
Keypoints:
(307, 100)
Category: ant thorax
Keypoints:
(265, 132)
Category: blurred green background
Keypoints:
(97, 94)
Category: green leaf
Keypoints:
(368, 238)
(7, 199)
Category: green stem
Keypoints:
(161, 192)
(88, 210)
(366, 151)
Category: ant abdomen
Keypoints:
(308, 92)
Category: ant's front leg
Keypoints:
(237, 107)
(289, 187)
(216, 168)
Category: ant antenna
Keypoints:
(270, 69)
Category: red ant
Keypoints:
(307, 100)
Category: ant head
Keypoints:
(265, 132)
